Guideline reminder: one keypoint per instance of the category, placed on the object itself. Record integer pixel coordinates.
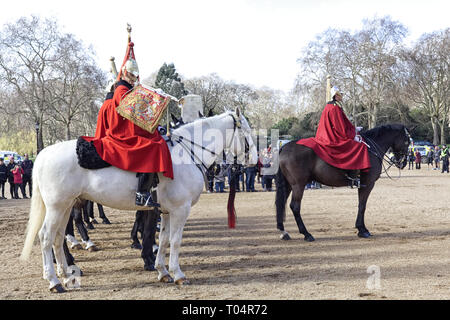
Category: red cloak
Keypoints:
(334, 141)
(126, 145)
(102, 118)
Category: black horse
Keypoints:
(146, 223)
(300, 165)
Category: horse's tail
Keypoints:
(37, 215)
(281, 198)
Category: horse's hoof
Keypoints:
(106, 221)
(58, 289)
(365, 234)
(77, 247)
(90, 226)
(285, 236)
(136, 245)
(182, 282)
(93, 249)
(309, 238)
(94, 221)
(166, 279)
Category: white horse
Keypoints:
(58, 181)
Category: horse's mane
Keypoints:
(381, 130)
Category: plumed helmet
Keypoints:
(131, 66)
(334, 90)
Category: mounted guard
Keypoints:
(338, 142)
(126, 135)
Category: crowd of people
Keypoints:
(18, 174)
(219, 175)
(433, 158)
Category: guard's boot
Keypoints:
(143, 194)
(353, 178)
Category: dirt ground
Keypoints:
(408, 256)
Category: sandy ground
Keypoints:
(408, 256)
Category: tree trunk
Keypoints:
(434, 125)
(443, 140)
(68, 134)
(40, 140)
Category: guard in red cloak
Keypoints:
(337, 141)
(128, 146)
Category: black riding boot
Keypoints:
(143, 194)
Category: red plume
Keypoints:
(230, 206)
(128, 55)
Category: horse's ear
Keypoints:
(238, 112)
(200, 114)
(210, 113)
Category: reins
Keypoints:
(188, 144)
(383, 157)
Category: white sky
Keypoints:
(255, 42)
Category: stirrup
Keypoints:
(354, 182)
(145, 199)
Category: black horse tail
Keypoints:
(281, 198)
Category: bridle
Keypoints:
(375, 149)
(188, 144)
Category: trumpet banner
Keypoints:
(144, 107)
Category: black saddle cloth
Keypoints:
(88, 157)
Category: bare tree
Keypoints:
(359, 63)
(52, 77)
(428, 85)
(27, 52)
(379, 41)
(213, 91)
(79, 88)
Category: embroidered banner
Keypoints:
(144, 107)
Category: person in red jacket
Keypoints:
(17, 173)
(128, 146)
(337, 141)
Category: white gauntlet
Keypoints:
(358, 138)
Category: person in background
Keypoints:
(219, 177)
(437, 156)
(445, 158)
(430, 157)
(250, 175)
(418, 159)
(17, 173)
(259, 166)
(267, 170)
(411, 159)
(3, 177)
(210, 177)
(27, 166)
(10, 168)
